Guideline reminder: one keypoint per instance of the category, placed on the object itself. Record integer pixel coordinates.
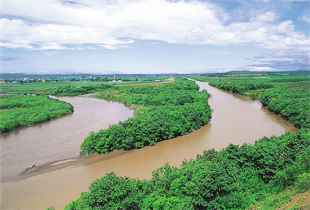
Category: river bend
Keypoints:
(235, 119)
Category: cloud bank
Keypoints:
(56, 24)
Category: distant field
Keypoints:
(84, 82)
(47, 85)
(287, 80)
(69, 88)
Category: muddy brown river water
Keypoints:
(61, 175)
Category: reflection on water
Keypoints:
(235, 119)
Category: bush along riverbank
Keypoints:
(289, 97)
(65, 90)
(163, 112)
(21, 110)
(237, 177)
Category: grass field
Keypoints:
(283, 80)
(39, 85)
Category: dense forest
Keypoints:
(237, 177)
(21, 110)
(168, 110)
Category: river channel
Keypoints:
(61, 175)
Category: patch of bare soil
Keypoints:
(300, 201)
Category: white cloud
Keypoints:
(306, 18)
(265, 17)
(109, 47)
(261, 68)
(54, 24)
(91, 48)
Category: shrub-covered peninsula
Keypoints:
(22, 110)
(262, 175)
(163, 112)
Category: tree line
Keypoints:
(239, 86)
(68, 90)
(293, 104)
(21, 110)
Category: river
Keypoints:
(235, 119)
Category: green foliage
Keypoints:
(236, 177)
(287, 96)
(112, 192)
(293, 105)
(73, 91)
(241, 86)
(249, 74)
(60, 89)
(21, 110)
(301, 185)
(175, 109)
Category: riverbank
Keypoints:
(235, 177)
(22, 110)
(169, 110)
(233, 113)
(57, 139)
(288, 97)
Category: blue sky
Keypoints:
(153, 36)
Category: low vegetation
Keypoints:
(263, 175)
(77, 84)
(165, 111)
(68, 90)
(21, 110)
(287, 95)
(236, 177)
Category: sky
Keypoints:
(153, 36)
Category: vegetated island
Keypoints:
(263, 175)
